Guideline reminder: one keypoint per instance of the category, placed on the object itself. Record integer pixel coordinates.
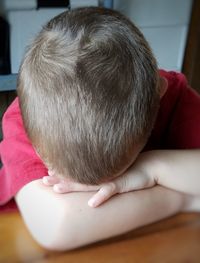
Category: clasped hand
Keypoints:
(139, 176)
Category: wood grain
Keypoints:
(176, 239)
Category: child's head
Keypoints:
(89, 94)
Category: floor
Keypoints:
(173, 240)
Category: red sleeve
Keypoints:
(184, 128)
(21, 164)
(178, 122)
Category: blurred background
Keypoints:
(172, 28)
(165, 24)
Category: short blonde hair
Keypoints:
(88, 92)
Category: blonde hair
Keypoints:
(88, 92)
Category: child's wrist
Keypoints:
(159, 166)
(153, 165)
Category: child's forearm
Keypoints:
(66, 221)
(122, 213)
(178, 170)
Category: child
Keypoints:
(99, 115)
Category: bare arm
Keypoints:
(178, 170)
(65, 221)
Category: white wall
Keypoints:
(164, 24)
(25, 21)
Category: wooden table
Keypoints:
(173, 240)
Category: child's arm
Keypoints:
(178, 170)
(63, 222)
(175, 169)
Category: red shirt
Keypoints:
(177, 127)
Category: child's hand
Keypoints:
(66, 185)
(139, 176)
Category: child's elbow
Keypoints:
(51, 219)
(56, 244)
(58, 236)
(65, 230)
(53, 242)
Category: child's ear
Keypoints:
(163, 85)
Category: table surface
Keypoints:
(173, 240)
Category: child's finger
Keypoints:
(102, 195)
(50, 180)
(51, 172)
(67, 187)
